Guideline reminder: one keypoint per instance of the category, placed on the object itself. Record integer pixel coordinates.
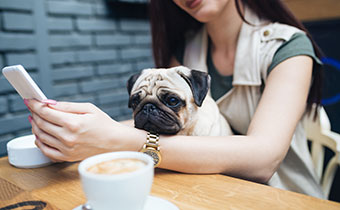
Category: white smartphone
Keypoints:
(23, 83)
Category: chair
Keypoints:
(320, 135)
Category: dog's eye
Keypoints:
(172, 101)
(134, 101)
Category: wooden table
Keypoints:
(314, 10)
(58, 187)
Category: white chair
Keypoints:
(320, 134)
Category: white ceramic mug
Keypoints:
(126, 191)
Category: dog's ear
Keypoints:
(199, 83)
(132, 81)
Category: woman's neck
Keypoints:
(224, 30)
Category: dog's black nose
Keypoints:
(148, 108)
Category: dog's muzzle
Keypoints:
(152, 118)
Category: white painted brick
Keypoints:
(17, 4)
(3, 105)
(109, 69)
(16, 103)
(1, 62)
(5, 86)
(145, 64)
(20, 122)
(82, 52)
(73, 40)
(4, 139)
(113, 98)
(101, 9)
(69, 8)
(143, 39)
(62, 57)
(99, 85)
(134, 53)
(116, 39)
(134, 25)
(78, 72)
(65, 89)
(28, 60)
(96, 55)
(96, 25)
(17, 21)
(12, 41)
(59, 24)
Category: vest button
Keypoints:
(266, 33)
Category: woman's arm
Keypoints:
(128, 122)
(70, 131)
(257, 155)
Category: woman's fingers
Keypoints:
(51, 115)
(51, 146)
(62, 135)
(41, 124)
(75, 108)
(69, 131)
(46, 138)
(50, 152)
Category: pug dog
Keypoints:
(175, 101)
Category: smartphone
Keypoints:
(23, 82)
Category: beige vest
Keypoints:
(255, 50)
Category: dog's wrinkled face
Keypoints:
(165, 100)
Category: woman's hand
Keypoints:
(73, 131)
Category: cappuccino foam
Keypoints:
(117, 166)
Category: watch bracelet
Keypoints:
(152, 141)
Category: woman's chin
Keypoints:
(204, 16)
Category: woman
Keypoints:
(271, 70)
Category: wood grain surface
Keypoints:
(311, 10)
(58, 187)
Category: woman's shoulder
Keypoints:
(277, 31)
(298, 44)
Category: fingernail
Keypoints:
(49, 101)
(26, 102)
(30, 118)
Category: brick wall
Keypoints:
(76, 50)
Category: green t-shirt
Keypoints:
(299, 44)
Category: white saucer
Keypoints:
(153, 203)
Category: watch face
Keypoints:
(154, 156)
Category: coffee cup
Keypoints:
(117, 180)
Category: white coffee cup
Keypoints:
(125, 191)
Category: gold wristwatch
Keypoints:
(151, 147)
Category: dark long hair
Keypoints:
(170, 24)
